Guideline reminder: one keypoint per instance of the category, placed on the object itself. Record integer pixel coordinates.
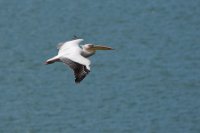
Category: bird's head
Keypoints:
(92, 47)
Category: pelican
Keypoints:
(76, 57)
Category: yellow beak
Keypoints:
(100, 47)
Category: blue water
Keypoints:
(150, 83)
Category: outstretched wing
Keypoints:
(71, 50)
(64, 47)
(80, 71)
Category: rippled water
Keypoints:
(149, 84)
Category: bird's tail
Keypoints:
(52, 60)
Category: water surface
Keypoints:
(148, 84)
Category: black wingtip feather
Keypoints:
(80, 71)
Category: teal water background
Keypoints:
(150, 83)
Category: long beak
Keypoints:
(100, 47)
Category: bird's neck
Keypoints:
(87, 53)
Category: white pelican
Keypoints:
(71, 54)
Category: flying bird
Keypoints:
(76, 56)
